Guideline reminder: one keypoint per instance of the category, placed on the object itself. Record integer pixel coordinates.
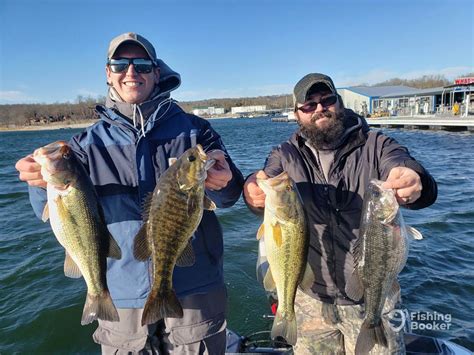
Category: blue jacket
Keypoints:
(124, 164)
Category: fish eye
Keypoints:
(289, 188)
(66, 156)
(191, 158)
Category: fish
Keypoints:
(172, 213)
(380, 253)
(285, 234)
(77, 221)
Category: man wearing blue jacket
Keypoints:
(140, 133)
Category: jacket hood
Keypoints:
(138, 115)
(169, 81)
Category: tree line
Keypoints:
(39, 114)
(83, 108)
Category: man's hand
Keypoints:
(30, 171)
(254, 195)
(406, 183)
(219, 174)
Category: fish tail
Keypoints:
(285, 328)
(99, 307)
(369, 336)
(159, 306)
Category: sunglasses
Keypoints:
(312, 105)
(141, 65)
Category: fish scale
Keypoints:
(286, 241)
(172, 214)
(72, 241)
(380, 253)
(78, 224)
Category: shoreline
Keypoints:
(48, 127)
(62, 125)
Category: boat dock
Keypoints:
(424, 122)
(447, 123)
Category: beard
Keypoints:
(326, 136)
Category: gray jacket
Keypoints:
(333, 204)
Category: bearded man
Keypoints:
(332, 157)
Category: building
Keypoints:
(247, 109)
(208, 111)
(362, 99)
(408, 101)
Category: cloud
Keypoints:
(88, 93)
(15, 97)
(341, 79)
(379, 75)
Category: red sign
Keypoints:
(464, 81)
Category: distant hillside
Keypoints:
(272, 102)
(83, 109)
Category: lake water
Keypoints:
(40, 309)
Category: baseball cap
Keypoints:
(302, 87)
(134, 38)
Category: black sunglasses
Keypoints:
(141, 65)
(312, 105)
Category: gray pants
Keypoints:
(315, 336)
(200, 331)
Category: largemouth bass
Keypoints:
(171, 215)
(380, 253)
(78, 223)
(286, 240)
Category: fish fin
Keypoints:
(395, 291)
(146, 205)
(370, 335)
(99, 307)
(141, 250)
(192, 204)
(187, 257)
(45, 215)
(209, 204)
(285, 328)
(268, 281)
(330, 313)
(354, 287)
(261, 231)
(114, 249)
(277, 235)
(308, 278)
(161, 306)
(357, 250)
(414, 233)
(70, 268)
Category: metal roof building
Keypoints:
(407, 101)
(361, 98)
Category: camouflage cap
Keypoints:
(134, 38)
(300, 92)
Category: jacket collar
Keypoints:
(137, 115)
(166, 110)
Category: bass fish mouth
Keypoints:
(277, 180)
(208, 162)
(52, 159)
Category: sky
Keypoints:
(55, 51)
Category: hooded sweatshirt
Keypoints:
(125, 153)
